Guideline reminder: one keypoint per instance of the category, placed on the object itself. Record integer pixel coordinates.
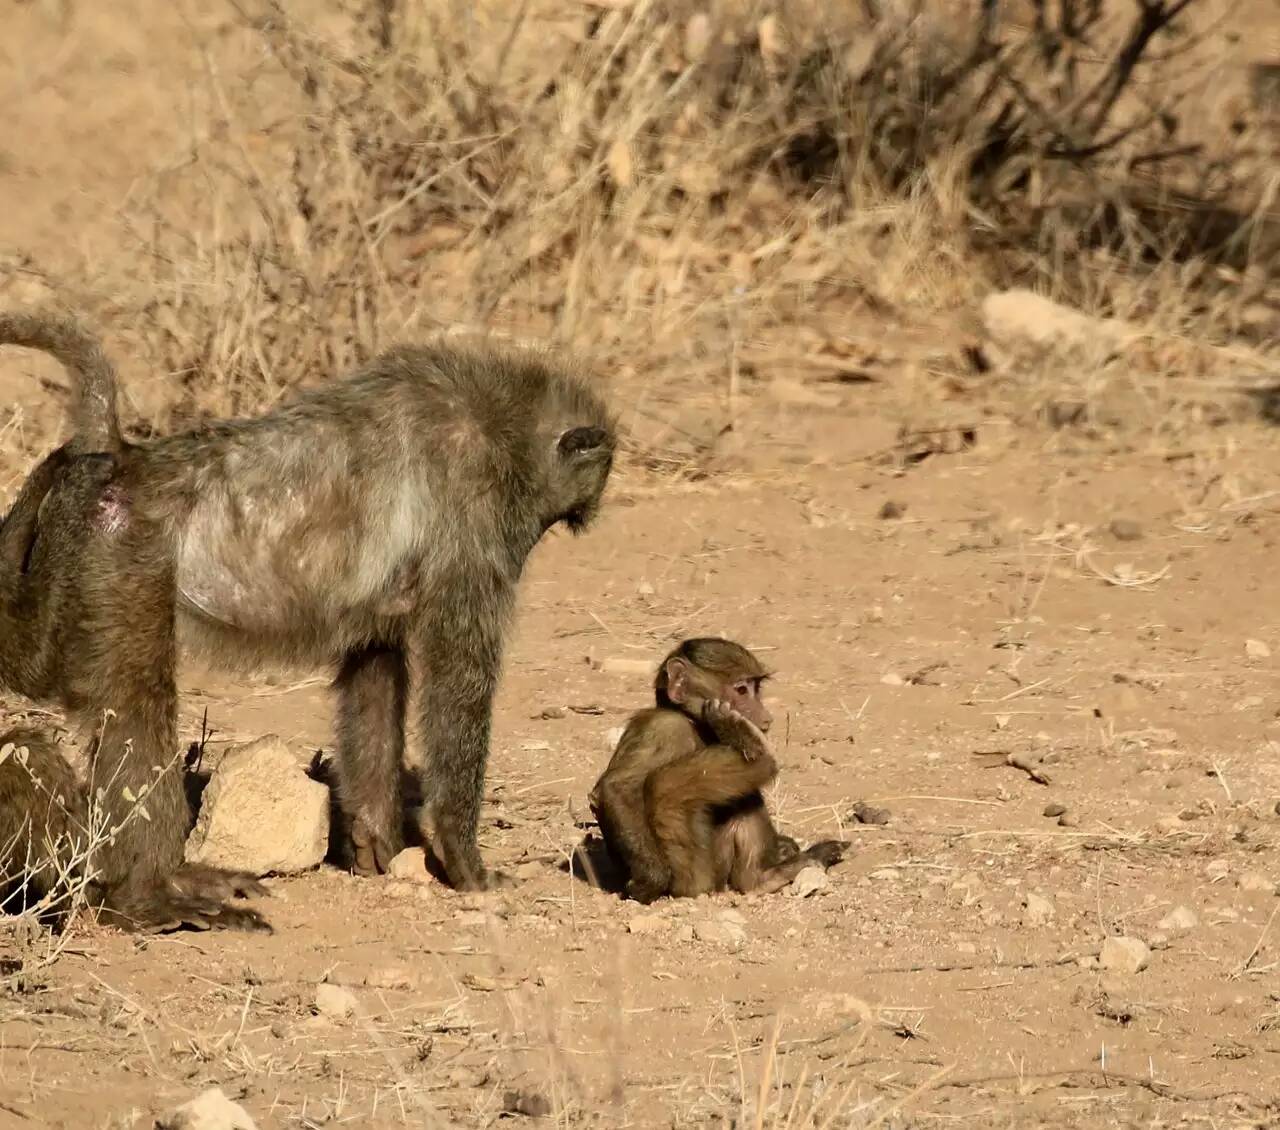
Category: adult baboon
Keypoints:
(372, 520)
(679, 804)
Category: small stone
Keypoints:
(1158, 940)
(1054, 809)
(209, 1110)
(1037, 910)
(1179, 918)
(1087, 961)
(551, 713)
(644, 588)
(886, 874)
(892, 509)
(685, 933)
(726, 928)
(411, 865)
(1068, 820)
(334, 1001)
(1216, 870)
(391, 977)
(893, 679)
(810, 881)
(1256, 649)
(1124, 955)
(1256, 881)
(646, 924)
(1168, 825)
(1125, 529)
(261, 813)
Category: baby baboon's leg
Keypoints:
(462, 649)
(371, 703)
(757, 864)
(619, 808)
(680, 799)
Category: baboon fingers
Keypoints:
(827, 852)
(371, 851)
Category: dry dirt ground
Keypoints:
(1100, 611)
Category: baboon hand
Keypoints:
(193, 896)
(785, 847)
(734, 729)
(828, 852)
(645, 891)
(371, 851)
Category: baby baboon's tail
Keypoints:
(94, 420)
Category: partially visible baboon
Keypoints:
(366, 523)
(679, 804)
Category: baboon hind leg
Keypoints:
(681, 799)
(371, 687)
(99, 593)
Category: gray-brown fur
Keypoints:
(370, 525)
(679, 804)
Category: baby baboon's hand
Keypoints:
(827, 852)
(735, 730)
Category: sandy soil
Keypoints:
(1090, 609)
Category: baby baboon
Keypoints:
(386, 515)
(679, 804)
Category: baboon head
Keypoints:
(577, 443)
(709, 668)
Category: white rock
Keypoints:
(261, 813)
(1021, 318)
(1037, 910)
(410, 864)
(209, 1110)
(726, 928)
(1217, 869)
(1124, 955)
(893, 679)
(1179, 918)
(1256, 881)
(1256, 649)
(810, 881)
(334, 1001)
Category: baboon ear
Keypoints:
(584, 442)
(677, 681)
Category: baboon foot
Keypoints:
(485, 880)
(371, 850)
(828, 852)
(645, 891)
(194, 896)
(734, 730)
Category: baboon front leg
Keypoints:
(371, 713)
(619, 808)
(463, 653)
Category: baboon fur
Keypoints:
(679, 804)
(366, 524)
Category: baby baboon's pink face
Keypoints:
(747, 700)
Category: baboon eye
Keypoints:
(743, 689)
(577, 441)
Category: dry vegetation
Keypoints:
(771, 227)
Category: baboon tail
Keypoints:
(94, 419)
(715, 775)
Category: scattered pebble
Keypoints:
(892, 509)
(551, 713)
(1037, 910)
(1068, 820)
(334, 1001)
(1256, 881)
(1256, 649)
(209, 1110)
(1168, 824)
(810, 881)
(893, 679)
(1179, 918)
(1217, 869)
(1124, 955)
(1125, 529)
(1054, 809)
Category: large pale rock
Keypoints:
(261, 813)
(209, 1110)
(1020, 319)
